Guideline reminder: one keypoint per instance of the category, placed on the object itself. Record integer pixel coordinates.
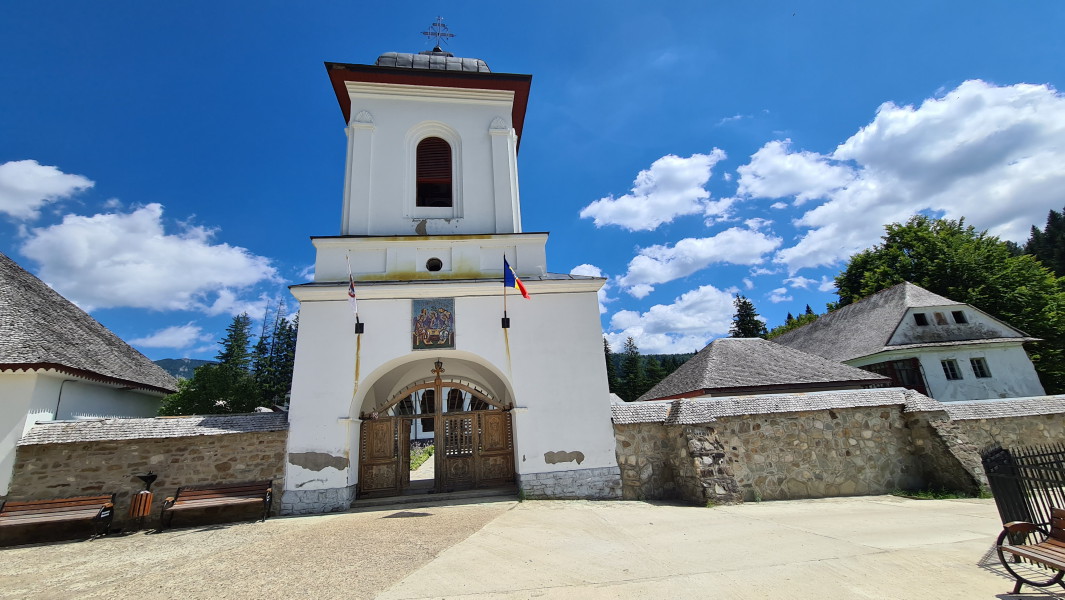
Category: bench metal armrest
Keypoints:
(1023, 527)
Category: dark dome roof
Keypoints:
(435, 59)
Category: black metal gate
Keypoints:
(1027, 482)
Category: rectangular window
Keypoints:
(950, 369)
(980, 367)
(940, 319)
(921, 319)
(959, 317)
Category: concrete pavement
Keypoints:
(842, 548)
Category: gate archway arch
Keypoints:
(471, 430)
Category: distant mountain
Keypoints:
(182, 368)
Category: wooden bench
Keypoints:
(227, 494)
(99, 510)
(1021, 540)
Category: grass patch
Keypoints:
(419, 454)
(939, 494)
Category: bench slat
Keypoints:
(1039, 553)
(57, 503)
(214, 493)
(87, 515)
(216, 502)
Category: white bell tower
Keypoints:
(431, 208)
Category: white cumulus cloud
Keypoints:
(992, 154)
(178, 337)
(686, 325)
(780, 295)
(671, 187)
(661, 263)
(26, 186)
(128, 260)
(594, 271)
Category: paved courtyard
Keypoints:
(878, 547)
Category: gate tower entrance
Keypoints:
(471, 432)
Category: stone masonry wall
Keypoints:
(649, 457)
(603, 483)
(839, 452)
(1014, 431)
(45, 471)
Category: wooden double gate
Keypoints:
(474, 449)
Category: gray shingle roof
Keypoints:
(705, 410)
(432, 59)
(65, 432)
(41, 329)
(729, 363)
(865, 327)
(1010, 407)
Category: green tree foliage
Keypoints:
(792, 323)
(954, 260)
(633, 378)
(243, 379)
(745, 322)
(611, 369)
(213, 389)
(234, 350)
(273, 357)
(667, 363)
(1048, 244)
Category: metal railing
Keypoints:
(1027, 482)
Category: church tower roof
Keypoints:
(436, 59)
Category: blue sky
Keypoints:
(163, 164)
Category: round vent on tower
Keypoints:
(434, 264)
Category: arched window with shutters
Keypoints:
(434, 186)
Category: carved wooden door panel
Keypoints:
(496, 449)
(477, 450)
(459, 456)
(379, 457)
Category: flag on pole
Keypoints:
(510, 280)
(352, 300)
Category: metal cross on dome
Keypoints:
(439, 31)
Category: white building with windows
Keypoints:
(430, 210)
(941, 348)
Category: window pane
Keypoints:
(959, 317)
(980, 367)
(920, 318)
(950, 369)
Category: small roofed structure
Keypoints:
(42, 330)
(57, 362)
(940, 347)
(747, 366)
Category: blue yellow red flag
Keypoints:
(510, 280)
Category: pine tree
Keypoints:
(611, 370)
(1048, 244)
(745, 323)
(235, 345)
(655, 371)
(632, 375)
(789, 320)
(809, 311)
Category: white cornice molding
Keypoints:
(394, 91)
(439, 289)
(500, 240)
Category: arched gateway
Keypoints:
(470, 430)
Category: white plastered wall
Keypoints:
(26, 398)
(556, 376)
(387, 123)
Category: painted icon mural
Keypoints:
(433, 323)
